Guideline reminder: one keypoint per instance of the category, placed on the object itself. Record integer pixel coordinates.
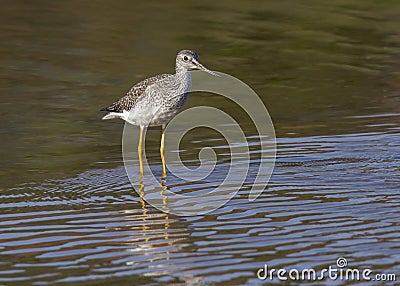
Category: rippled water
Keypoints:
(328, 74)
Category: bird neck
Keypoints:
(181, 72)
(183, 78)
(180, 69)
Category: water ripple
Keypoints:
(312, 208)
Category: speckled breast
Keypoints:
(162, 101)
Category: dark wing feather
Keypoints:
(131, 97)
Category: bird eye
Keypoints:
(185, 58)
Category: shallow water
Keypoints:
(329, 76)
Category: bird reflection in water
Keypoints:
(153, 243)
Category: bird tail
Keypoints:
(112, 115)
(106, 108)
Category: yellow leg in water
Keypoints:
(162, 152)
(140, 151)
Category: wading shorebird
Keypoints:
(156, 100)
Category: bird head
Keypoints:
(187, 60)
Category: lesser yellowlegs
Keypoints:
(156, 100)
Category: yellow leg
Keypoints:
(140, 151)
(145, 224)
(162, 152)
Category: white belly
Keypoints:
(154, 113)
